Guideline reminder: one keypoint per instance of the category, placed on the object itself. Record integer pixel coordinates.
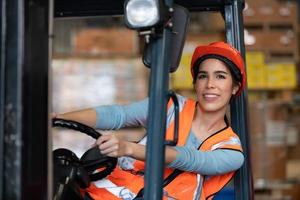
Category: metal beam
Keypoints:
(239, 114)
(79, 8)
(158, 87)
(24, 98)
(158, 98)
(11, 55)
(2, 93)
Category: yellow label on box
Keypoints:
(255, 57)
(281, 76)
(256, 76)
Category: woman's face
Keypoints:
(214, 85)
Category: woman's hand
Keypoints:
(53, 115)
(112, 146)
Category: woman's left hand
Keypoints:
(112, 146)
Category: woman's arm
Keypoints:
(113, 117)
(113, 146)
(85, 116)
(215, 162)
(139, 151)
(131, 135)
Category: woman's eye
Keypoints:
(202, 76)
(220, 76)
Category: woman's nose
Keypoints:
(210, 83)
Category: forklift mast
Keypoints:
(25, 139)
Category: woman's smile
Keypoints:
(210, 97)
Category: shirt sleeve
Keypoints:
(215, 162)
(113, 117)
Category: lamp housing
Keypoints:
(143, 14)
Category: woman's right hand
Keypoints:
(53, 115)
(112, 146)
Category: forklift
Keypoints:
(26, 167)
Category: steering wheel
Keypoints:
(72, 171)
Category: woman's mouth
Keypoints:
(210, 97)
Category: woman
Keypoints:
(208, 151)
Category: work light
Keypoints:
(141, 13)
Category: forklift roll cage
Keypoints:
(25, 145)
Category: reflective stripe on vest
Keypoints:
(120, 192)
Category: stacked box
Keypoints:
(275, 170)
(271, 26)
(261, 75)
(268, 142)
(293, 192)
(281, 76)
(256, 70)
(274, 41)
(270, 11)
(293, 169)
(105, 42)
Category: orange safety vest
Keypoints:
(123, 184)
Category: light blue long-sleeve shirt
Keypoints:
(189, 158)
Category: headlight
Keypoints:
(141, 13)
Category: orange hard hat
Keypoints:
(224, 52)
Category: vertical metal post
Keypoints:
(24, 98)
(2, 82)
(11, 61)
(159, 84)
(239, 114)
(49, 161)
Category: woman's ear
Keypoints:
(235, 88)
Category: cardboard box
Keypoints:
(255, 57)
(256, 70)
(293, 169)
(280, 41)
(281, 76)
(271, 11)
(267, 126)
(257, 112)
(274, 41)
(105, 42)
(293, 152)
(256, 76)
(268, 162)
(293, 193)
(254, 40)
